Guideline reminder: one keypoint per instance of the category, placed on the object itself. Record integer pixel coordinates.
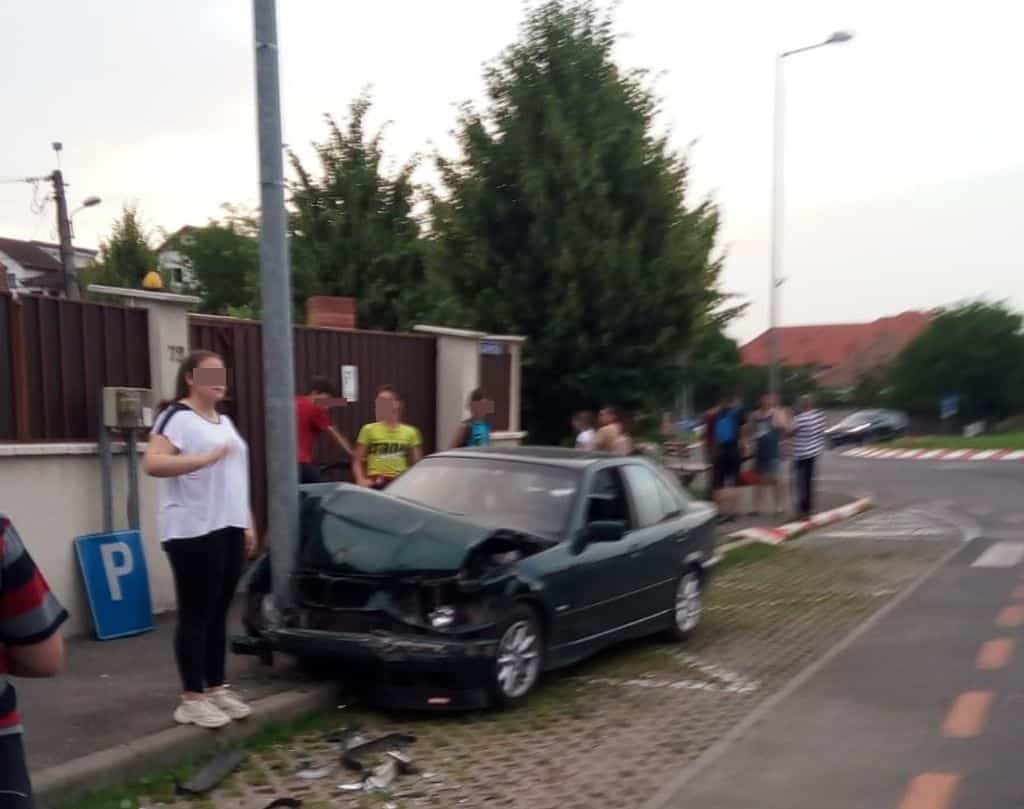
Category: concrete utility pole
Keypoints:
(67, 252)
(275, 273)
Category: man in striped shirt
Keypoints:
(808, 432)
(31, 645)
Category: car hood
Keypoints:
(368, 532)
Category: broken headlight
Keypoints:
(442, 617)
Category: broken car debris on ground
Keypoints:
(356, 751)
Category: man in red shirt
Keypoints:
(31, 645)
(311, 420)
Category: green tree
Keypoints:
(353, 228)
(125, 256)
(974, 350)
(713, 366)
(224, 258)
(564, 219)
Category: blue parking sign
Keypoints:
(116, 583)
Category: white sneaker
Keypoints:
(229, 703)
(202, 713)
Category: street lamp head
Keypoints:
(839, 37)
(88, 202)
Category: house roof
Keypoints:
(29, 255)
(173, 238)
(843, 351)
(86, 251)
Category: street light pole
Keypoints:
(275, 273)
(778, 154)
(778, 199)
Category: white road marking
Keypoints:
(1001, 554)
(1016, 455)
(985, 455)
(932, 453)
(956, 454)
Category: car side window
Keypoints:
(673, 505)
(607, 498)
(648, 497)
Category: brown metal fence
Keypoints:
(57, 356)
(406, 361)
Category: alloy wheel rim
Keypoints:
(689, 603)
(518, 659)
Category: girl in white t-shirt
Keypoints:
(206, 528)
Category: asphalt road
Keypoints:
(923, 708)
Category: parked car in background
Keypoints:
(479, 569)
(867, 426)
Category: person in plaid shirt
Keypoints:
(31, 645)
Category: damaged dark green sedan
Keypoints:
(478, 570)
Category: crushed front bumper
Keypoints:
(403, 671)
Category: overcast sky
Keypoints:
(905, 148)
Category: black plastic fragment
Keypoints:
(213, 773)
(284, 803)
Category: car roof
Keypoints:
(547, 456)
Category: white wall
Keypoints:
(53, 494)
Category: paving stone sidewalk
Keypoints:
(610, 731)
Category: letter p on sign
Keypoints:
(116, 582)
(117, 562)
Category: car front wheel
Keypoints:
(520, 656)
(688, 605)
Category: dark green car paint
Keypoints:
(368, 532)
(589, 595)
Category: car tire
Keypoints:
(687, 607)
(519, 660)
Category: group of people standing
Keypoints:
(749, 448)
(612, 434)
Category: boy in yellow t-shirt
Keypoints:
(386, 448)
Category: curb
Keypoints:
(165, 748)
(775, 536)
(937, 454)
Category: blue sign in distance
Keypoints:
(950, 406)
(116, 583)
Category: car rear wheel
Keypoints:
(688, 604)
(520, 656)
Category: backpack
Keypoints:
(725, 427)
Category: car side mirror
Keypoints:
(605, 531)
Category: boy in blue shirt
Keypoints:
(475, 431)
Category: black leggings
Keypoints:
(206, 573)
(15, 790)
(805, 486)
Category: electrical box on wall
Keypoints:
(128, 408)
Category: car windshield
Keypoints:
(522, 496)
(860, 417)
